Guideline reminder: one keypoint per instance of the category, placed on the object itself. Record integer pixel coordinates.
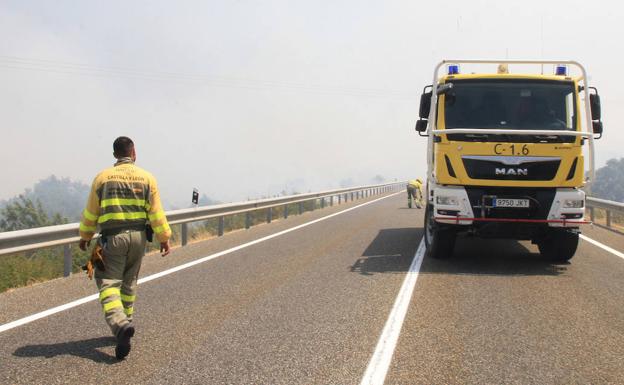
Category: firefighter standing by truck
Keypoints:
(414, 191)
(123, 199)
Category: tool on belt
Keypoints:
(97, 259)
(149, 233)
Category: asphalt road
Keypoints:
(308, 307)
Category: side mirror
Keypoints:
(594, 104)
(421, 125)
(425, 104)
(597, 127)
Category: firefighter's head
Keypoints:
(123, 147)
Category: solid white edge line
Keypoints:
(604, 247)
(57, 309)
(382, 357)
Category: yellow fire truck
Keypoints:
(505, 153)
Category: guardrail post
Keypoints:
(608, 217)
(221, 225)
(184, 234)
(300, 208)
(247, 220)
(285, 211)
(592, 216)
(323, 203)
(331, 200)
(269, 214)
(67, 261)
(339, 198)
(313, 204)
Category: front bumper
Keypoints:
(454, 205)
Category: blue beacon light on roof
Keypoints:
(561, 70)
(453, 69)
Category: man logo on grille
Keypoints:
(512, 171)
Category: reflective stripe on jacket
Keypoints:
(124, 196)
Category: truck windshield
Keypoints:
(518, 104)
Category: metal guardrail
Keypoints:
(32, 239)
(609, 206)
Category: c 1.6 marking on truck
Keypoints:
(511, 149)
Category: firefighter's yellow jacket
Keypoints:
(415, 183)
(124, 196)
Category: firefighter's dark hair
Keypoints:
(122, 147)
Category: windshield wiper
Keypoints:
(477, 136)
(545, 137)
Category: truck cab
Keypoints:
(506, 155)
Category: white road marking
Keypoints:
(382, 357)
(604, 247)
(57, 309)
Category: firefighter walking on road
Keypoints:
(414, 191)
(122, 201)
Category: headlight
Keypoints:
(446, 200)
(573, 203)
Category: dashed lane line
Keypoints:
(382, 357)
(604, 247)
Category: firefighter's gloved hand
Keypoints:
(84, 244)
(97, 259)
(164, 248)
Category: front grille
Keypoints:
(493, 170)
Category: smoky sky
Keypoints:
(243, 99)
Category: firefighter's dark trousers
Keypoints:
(415, 194)
(117, 284)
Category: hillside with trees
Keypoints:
(22, 213)
(56, 196)
(609, 182)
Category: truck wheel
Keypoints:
(439, 240)
(560, 246)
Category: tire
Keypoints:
(440, 241)
(409, 204)
(559, 246)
